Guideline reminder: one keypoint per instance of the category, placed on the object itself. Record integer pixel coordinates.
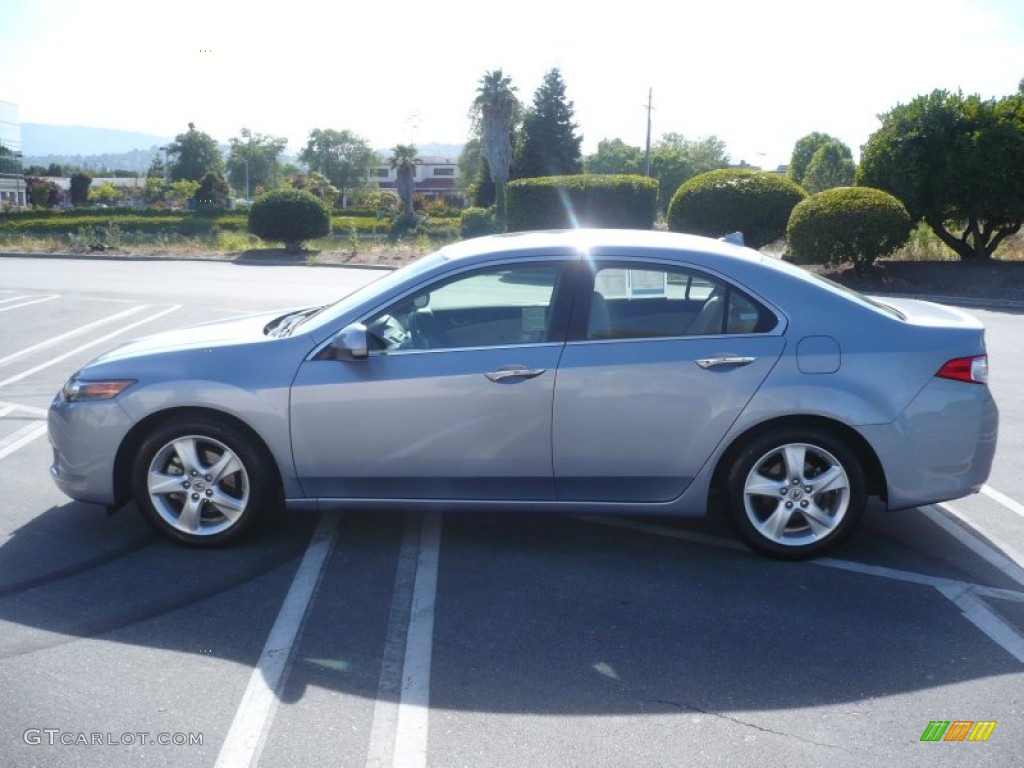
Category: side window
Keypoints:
(656, 302)
(487, 307)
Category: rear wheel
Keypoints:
(202, 482)
(796, 492)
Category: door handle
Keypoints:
(712, 362)
(514, 373)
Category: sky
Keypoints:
(758, 75)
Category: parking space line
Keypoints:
(248, 731)
(964, 595)
(1003, 499)
(1006, 559)
(29, 409)
(86, 345)
(6, 409)
(34, 300)
(20, 438)
(414, 705)
(75, 332)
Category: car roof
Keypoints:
(584, 241)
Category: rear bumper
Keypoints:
(941, 447)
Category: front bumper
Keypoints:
(85, 438)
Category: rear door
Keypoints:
(660, 362)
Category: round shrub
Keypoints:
(475, 222)
(716, 203)
(290, 216)
(857, 224)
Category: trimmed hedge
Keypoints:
(586, 200)
(857, 224)
(289, 216)
(476, 222)
(716, 203)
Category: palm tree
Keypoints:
(403, 160)
(496, 109)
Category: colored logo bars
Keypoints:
(958, 730)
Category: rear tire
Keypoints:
(202, 482)
(796, 492)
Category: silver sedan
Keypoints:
(580, 371)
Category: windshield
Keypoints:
(369, 292)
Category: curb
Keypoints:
(238, 260)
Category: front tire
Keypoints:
(202, 482)
(796, 492)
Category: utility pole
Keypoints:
(647, 152)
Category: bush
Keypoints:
(716, 203)
(475, 222)
(857, 224)
(289, 216)
(585, 200)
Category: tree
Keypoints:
(181, 191)
(317, 185)
(676, 159)
(756, 203)
(403, 160)
(43, 193)
(157, 169)
(955, 161)
(213, 192)
(290, 216)
(252, 160)
(342, 156)
(615, 156)
(857, 224)
(495, 111)
(549, 145)
(803, 153)
(471, 166)
(105, 194)
(193, 154)
(80, 188)
(831, 166)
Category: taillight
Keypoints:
(970, 369)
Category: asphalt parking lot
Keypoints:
(474, 640)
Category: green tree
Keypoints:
(213, 192)
(157, 169)
(403, 160)
(342, 156)
(317, 185)
(193, 154)
(252, 160)
(803, 153)
(154, 190)
(290, 216)
(549, 144)
(181, 191)
(495, 112)
(955, 161)
(80, 188)
(676, 159)
(105, 194)
(831, 166)
(615, 156)
(471, 166)
(856, 224)
(43, 193)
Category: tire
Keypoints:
(796, 492)
(202, 482)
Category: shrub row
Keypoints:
(585, 200)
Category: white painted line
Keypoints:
(981, 616)
(18, 298)
(380, 752)
(39, 300)
(245, 738)
(1006, 559)
(414, 704)
(30, 409)
(6, 409)
(20, 438)
(1003, 499)
(75, 332)
(78, 348)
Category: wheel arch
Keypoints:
(873, 471)
(132, 441)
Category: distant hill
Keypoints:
(38, 140)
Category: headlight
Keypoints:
(78, 390)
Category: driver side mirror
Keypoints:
(350, 343)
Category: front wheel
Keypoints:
(201, 482)
(796, 492)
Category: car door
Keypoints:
(454, 399)
(660, 362)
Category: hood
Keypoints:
(236, 330)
